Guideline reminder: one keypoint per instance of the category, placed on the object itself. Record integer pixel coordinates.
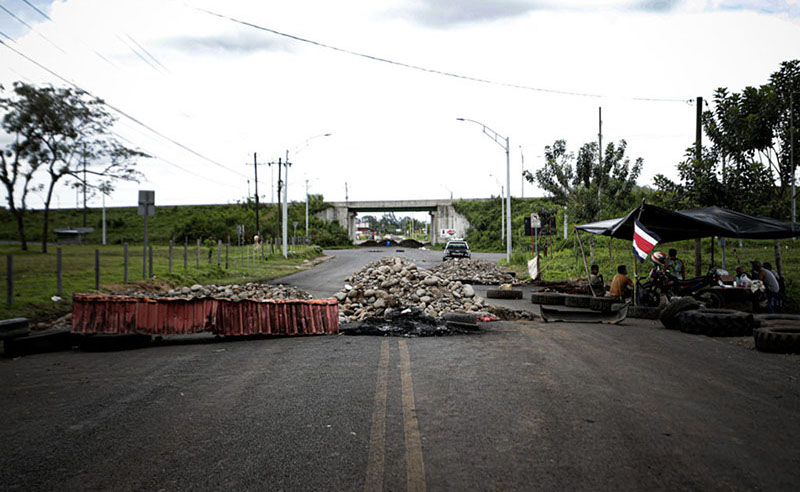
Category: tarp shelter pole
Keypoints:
(712, 251)
(585, 265)
(550, 230)
(635, 277)
(723, 244)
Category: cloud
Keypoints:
(235, 42)
(436, 13)
(657, 6)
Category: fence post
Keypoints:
(185, 253)
(10, 278)
(125, 278)
(97, 269)
(150, 260)
(197, 261)
(227, 247)
(59, 273)
(170, 255)
(219, 251)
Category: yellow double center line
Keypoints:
(415, 467)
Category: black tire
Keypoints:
(14, 333)
(548, 298)
(463, 318)
(778, 339)
(669, 313)
(716, 322)
(602, 304)
(102, 343)
(578, 301)
(503, 294)
(643, 312)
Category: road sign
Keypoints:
(147, 203)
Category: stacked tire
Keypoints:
(716, 322)
(669, 314)
(778, 334)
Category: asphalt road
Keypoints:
(521, 406)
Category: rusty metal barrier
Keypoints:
(110, 314)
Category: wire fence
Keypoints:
(31, 276)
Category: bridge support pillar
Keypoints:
(351, 225)
(434, 229)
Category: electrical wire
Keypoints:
(124, 114)
(31, 28)
(29, 4)
(419, 67)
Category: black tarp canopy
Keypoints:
(692, 224)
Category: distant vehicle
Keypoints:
(457, 249)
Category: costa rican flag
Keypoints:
(643, 240)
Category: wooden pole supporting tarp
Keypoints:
(585, 265)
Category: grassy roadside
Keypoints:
(35, 280)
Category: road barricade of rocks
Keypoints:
(252, 290)
(391, 285)
(478, 272)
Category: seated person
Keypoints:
(596, 282)
(621, 284)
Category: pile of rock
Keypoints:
(252, 290)
(471, 271)
(392, 285)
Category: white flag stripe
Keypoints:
(647, 237)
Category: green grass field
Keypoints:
(35, 278)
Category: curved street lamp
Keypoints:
(505, 144)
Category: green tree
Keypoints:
(66, 133)
(587, 185)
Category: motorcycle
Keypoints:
(658, 282)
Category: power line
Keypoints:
(147, 52)
(31, 28)
(167, 161)
(419, 67)
(29, 4)
(123, 113)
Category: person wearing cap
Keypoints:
(770, 283)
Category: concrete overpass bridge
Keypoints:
(443, 214)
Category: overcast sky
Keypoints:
(225, 89)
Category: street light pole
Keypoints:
(504, 142)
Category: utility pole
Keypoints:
(306, 209)
(84, 185)
(255, 172)
(698, 155)
(508, 200)
(599, 157)
(502, 215)
(285, 225)
(346, 198)
(522, 174)
(280, 184)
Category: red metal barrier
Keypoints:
(97, 313)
